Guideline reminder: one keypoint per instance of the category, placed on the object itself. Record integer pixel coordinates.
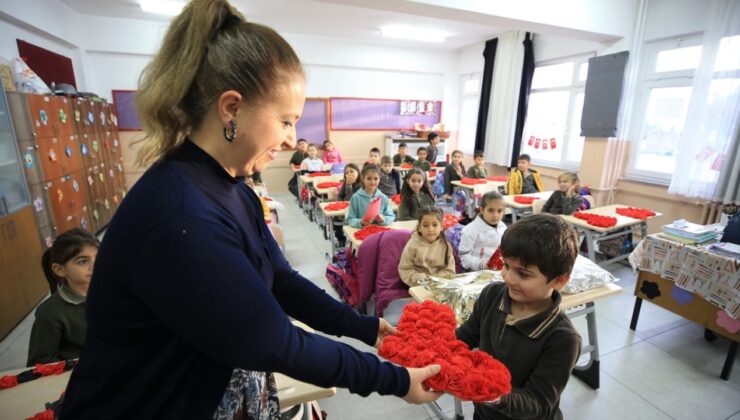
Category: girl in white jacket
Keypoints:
(481, 237)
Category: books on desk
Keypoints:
(689, 233)
(726, 249)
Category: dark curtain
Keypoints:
(489, 53)
(48, 65)
(524, 88)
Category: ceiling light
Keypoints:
(162, 7)
(413, 34)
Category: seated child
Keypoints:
(421, 162)
(524, 180)
(455, 171)
(295, 163)
(567, 199)
(331, 155)
(312, 163)
(481, 237)
(390, 179)
(415, 194)
(370, 177)
(351, 183)
(401, 157)
(58, 332)
(249, 180)
(427, 253)
(373, 157)
(479, 169)
(520, 323)
(434, 140)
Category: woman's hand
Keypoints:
(384, 329)
(418, 393)
(571, 191)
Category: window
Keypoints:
(664, 95)
(553, 126)
(469, 104)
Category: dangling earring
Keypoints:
(230, 131)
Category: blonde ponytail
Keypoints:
(208, 49)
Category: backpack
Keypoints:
(438, 188)
(343, 278)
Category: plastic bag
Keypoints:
(26, 80)
(586, 275)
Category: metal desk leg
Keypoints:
(729, 361)
(439, 414)
(590, 372)
(513, 215)
(636, 313)
(459, 410)
(332, 239)
(590, 244)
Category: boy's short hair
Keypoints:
(312, 145)
(419, 150)
(432, 136)
(302, 140)
(478, 154)
(524, 157)
(403, 145)
(386, 159)
(375, 150)
(543, 240)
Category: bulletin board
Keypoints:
(376, 114)
(123, 100)
(314, 123)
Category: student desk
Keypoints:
(588, 373)
(349, 231)
(474, 192)
(307, 181)
(329, 216)
(27, 399)
(594, 234)
(520, 209)
(403, 171)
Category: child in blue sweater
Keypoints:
(360, 200)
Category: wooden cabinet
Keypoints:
(22, 284)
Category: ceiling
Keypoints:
(319, 18)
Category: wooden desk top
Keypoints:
(420, 294)
(332, 213)
(481, 188)
(622, 221)
(349, 231)
(509, 199)
(306, 179)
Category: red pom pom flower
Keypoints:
(635, 212)
(472, 181)
(596, 219)
(522, 199)
(426, 335)
(337, 205)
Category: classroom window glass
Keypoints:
(552, 130)
(728, 56)
(678, 59)
(468, 117)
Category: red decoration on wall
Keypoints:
(48, 65)
(537, 143)
(530, 142)
(553, 143)
(426, 335)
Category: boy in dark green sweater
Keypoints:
(300, 153)
(520, 322)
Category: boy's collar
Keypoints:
(536, 325)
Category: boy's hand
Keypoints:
(418, 393)
(384, 329)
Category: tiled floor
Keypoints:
(665, 370)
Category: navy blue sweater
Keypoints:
(189, 284)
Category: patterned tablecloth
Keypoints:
(714, 277)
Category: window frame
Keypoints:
(650, 79)
(576, 87)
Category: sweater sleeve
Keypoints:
(468, 257)
(214, 299)
(407, 269)
(539, 396)
(549, 204)
(354, 215)
(404, 213)
(388, 215)
(46, 336)
(450, 260)
(571, 204)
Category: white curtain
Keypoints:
(707, 161)
(507, 76)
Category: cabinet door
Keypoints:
(50, 152)
(13, 194)
(72, 154)
(40, 204)
(88, 117)
(31, 163)
(63, 116)
(42, 114)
